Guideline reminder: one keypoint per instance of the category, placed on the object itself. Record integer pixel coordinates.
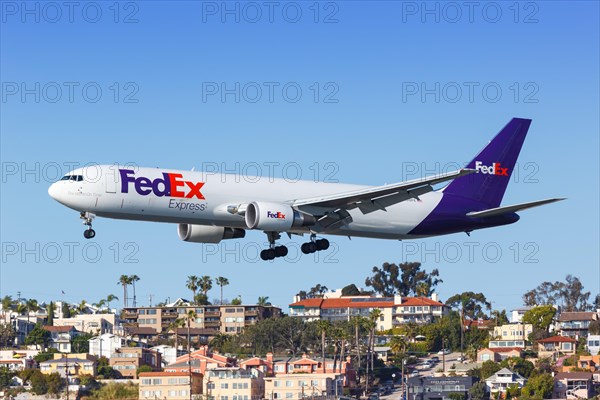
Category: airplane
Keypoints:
(210, 210)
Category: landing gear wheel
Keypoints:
(304, 248)
(268, 254)
(89, 233)
(281, 251)
(322, 244)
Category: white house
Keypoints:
(593, 344)
(105, 345)
(516, 315)
(169, 354)
(504, 379)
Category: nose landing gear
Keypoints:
(314, 245)
(87, 218)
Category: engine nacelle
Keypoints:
(207, 234)
(275, 217)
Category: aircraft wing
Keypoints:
(506, 209)
(379, 197)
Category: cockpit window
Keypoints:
(74, 178)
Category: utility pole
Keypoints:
(67, 373)
(150, 296)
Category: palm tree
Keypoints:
(109, 298)
(7, 303)
(178, 323)
(206, 284)
(222, 282)
(357, 322)
(81, 307)
(323, 327)
(124, 280)
(264, 301)
(192, 284)
(32, 306)
(133, 279)
(374, 317)
(219, 341)
(191, 315)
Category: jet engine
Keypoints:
(275, 217)
(208, 234)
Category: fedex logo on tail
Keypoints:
(170, 185)
(494, 169)
(276, 215)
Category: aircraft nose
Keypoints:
(53, 190)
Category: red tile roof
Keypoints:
(307, 303)
(557, 339)
(185, 373)
(419, 301)
(355, 303)
(577, 316)
(65, 328)
(573, 375)
(505, 349)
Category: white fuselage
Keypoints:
(106, 192)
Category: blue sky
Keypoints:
(362, 92)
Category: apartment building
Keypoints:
(510, 335)
(234, 384)
(276, 366)
(202, 360)
(395, 310)
(575, 324)
(299, 386)
(170, 385)
(228, 319)
(89, 323)
(127, 360)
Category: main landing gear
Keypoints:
(314, 245)
(273, 251)
(87, 220)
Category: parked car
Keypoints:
(461, 358)
(444, 352)
(435, 359)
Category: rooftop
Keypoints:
(557, 339)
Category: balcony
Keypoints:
(212, 313)
(251, 312)
(128, 314)
(212, 324)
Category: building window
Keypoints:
(276, 383)
(289, 383)
(224, 385)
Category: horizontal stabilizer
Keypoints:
(509, 209)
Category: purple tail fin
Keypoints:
(494, 166)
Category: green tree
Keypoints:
(263, 301)
(7, 303)
(472, 305)
(499, 317)
(205, 284)
(402, 279)
(569, 294)
(202, 300)
(38, 382)
(456, 396)
(489, 368)
(144, 368)
(518, 365)
(6, 376)
(124, 281)
(539, 386)
(45, 355)
(219, 341)
(38, 337)
(66, 310)
(236, 302)
(478, 391)
(350, 290)
(54, 383)
(80, 343)
(540, 317)
(221, 281)
(110, 298)
(192, 284)
(7, 335)
(323, 327)
(133, 279)
(51, 310)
